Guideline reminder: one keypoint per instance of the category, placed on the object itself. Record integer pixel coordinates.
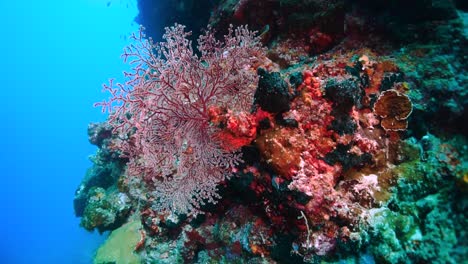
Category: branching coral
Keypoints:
(162, 113)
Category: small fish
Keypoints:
(265, 30)
(108, 4)
(265, 34)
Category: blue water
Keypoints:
(54, 57)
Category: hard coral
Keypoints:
(120, 246)
(105, 210)
(394, 108)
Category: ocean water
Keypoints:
(55, 55)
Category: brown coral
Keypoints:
(281, 148)
(394, 108)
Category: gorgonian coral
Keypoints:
(162, 113)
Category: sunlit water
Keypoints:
(55, 56)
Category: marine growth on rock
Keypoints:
(298, 132)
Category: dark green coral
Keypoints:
(425, 220)
(105, 210)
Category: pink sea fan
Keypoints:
(162, 112)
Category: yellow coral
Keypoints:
(119, 247)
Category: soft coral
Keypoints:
(162, 112)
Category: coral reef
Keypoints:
(341, 140)
(97, 199)
(425, 217)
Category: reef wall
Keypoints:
(334, 133)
